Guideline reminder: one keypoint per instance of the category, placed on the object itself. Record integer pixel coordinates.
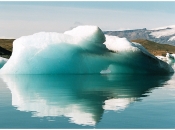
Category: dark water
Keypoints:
(87, 101)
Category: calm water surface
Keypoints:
(87, 101)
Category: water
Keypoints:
(87, 101)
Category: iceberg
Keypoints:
(82, 50)
(169, 58)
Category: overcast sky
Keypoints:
(25, 18)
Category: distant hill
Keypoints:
(6, 43)
(156, 48)
(163, 35)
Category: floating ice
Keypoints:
(2, 61)
(83, 50)
(169, 58)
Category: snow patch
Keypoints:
(164, 27)
(172, 38)
(163, 31)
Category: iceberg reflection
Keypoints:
(81, 98)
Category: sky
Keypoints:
(26, 18)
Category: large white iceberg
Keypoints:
(83, 50)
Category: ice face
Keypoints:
(82, 50)
(2, 61)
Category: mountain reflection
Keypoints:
(81, 98)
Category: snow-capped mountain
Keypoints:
(163, 35)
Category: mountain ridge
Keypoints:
(162, 35)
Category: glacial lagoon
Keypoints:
(87, 101)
